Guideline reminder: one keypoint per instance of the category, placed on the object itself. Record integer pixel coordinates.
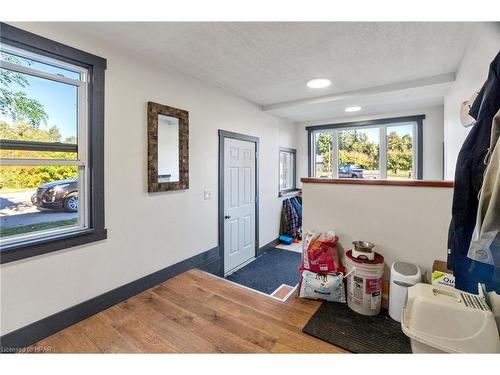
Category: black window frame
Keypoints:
(96, 67)
(294, 172)
(418, 119)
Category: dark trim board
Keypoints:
(309, 151)
(288, 149)
(37, 44)
(354, 124)
(39, 246)
(243, 137)
(34, 332)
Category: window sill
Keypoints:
(30, 248)
(355, 181)
(289, 193)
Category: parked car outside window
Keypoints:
(350, 171)
(57, 195)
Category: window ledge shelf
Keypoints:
(44, 245)
(355, 181)
(289, 193)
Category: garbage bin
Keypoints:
(403, 275)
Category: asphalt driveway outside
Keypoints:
(17, 210)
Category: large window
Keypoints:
(50, 129)
(287, 169)
(378, 149)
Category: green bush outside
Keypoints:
(14, 178)
(17, 178)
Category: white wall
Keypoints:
(405, 223)
(288, 134)
(470, 77)
(433, 129)
(146, 232)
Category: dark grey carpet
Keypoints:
(269, 271)
(337, 324)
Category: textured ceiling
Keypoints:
(269, 63)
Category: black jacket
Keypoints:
(468, 181)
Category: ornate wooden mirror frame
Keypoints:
(155, 109)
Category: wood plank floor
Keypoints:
(194, 313)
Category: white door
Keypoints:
(239, 202)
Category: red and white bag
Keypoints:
(319, 253)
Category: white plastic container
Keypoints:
(441, 319)
(364, 283)
(403, 276)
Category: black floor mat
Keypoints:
(269, 271)
(337, 324)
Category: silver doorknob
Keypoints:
(227, 217)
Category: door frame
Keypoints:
(242, 137)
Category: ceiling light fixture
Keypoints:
(355, 108)
(318, 83)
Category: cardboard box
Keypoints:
(441, 275)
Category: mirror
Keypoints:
(168, 149)
(168, 142)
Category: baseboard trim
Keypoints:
(30, 334)
(268, 246)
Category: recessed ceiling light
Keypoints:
(318, 83)
(355, 108)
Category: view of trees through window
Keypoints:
(400, 151)
(359, 149)
(357, 154)
(323, 155)
(34, 109)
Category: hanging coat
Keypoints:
(485, 243)
(297, 206)
(468, 181)
(283, 221)
(291, 218)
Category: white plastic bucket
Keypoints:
(364, 283)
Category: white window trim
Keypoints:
(39, 73)
(44, 60)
